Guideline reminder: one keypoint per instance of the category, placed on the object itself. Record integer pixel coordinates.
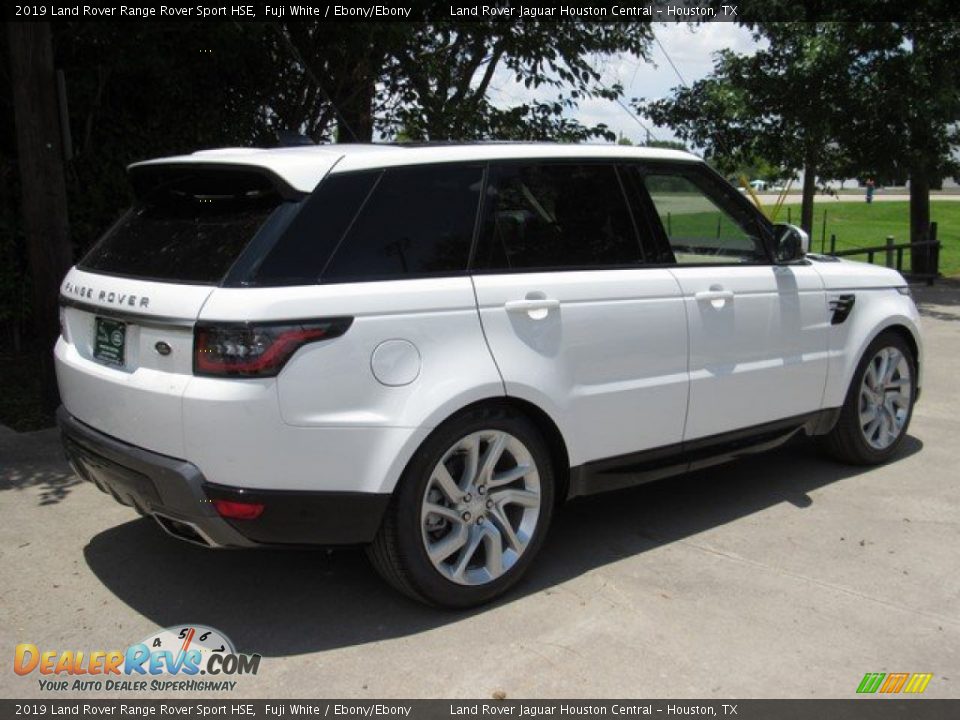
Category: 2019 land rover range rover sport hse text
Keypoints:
(427, 349)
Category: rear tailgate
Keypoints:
(130, 305)
(137, 397)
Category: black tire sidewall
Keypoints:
(421, 574)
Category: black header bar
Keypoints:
(500, 10)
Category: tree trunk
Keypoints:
(920, 219)
(42, 184)
(809, 192)
(355, 121)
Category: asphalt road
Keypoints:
(779, 575)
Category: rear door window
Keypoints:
(189, 229)
(556, 215)
(417, 221)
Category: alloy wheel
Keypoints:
(885, 395)
(480, 507)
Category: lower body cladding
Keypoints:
(176, 494)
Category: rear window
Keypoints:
(189, 227)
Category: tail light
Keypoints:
(257, 349)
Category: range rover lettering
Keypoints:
(426, 350)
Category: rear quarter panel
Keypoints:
(326, 422)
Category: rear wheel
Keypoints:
(879, 404)
(471, 511)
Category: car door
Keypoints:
(576, 323)
(758, 330)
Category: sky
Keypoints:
(690, 47)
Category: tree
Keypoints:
(840, 98)
(667, 145)
(42, 183)
(437, 85)
(431, 80)
(135, 91)
(339, 66)
(786, 104)
(909, 122)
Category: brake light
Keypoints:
(257, 349)
(238, 510)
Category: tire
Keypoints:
(851, 440)
(476, 515)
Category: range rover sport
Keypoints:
(426, 350)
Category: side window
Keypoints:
(304, 247)
(698, 225)
(417, 221)
(556, 215)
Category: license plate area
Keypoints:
(109, 341)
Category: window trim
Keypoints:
(726, 195)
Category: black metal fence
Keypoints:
(893, 253)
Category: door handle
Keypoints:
(531, 305)
(714, 295)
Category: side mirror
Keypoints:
(791, 243)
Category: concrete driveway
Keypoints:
(780, 575)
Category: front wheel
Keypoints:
(879, 404)
(471, 511)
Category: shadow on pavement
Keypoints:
(54, 483)
(280, 603)
(940, 301)
(35, 460)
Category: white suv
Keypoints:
(425, 349)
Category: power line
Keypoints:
(636, 119)
(296, 53)
(667, 56)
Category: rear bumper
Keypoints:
(178, 496)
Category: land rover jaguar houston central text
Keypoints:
(426, 349)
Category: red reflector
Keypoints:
(238, 510)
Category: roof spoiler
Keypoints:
(209, 179)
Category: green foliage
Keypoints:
(785, 104)
(667, 145)
(435, 87)
(145, 90)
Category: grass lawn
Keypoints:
(857, 224)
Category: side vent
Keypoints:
(841, 306)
